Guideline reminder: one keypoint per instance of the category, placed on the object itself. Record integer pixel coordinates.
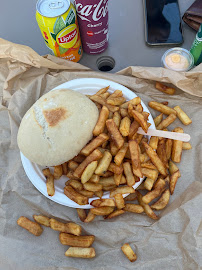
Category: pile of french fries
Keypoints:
(117, 157)
(114, 160)
(70, 235)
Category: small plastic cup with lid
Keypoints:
(178, 59)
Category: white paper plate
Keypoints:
(34, 172)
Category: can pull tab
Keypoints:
(56, 4)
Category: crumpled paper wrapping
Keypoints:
(173, 242)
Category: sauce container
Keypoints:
(178, 59)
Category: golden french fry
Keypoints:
(79, 158)
(122, 190)
(116, 93)
(70, 227)
(109, 188)
(107, 181)
(141, 120)
(102, 90)
(46, 172)
(129, 174)
(184, 118)
(95, 178)
(123, 180)
(148, 183)
(116, 213)
(92, 186)
(139, 108)
(88, 172)
(169, 144)
(186, 146)
(173, 168)
(166, 122)
(95, 155)
(131, 197)
(104, 163)
(124, 112)
(115, 169)
(158, 119)
(153, 174)
(79, 252)
(134, 208)
(99, 193)
(148, 165)
(90, 217)
(163, 201)
(173, 181)
(109, 117)
(96, 203)
(30, 226)
(70, 175)
(121, 154)
(133, 129)
(86, 193)
(113, 148)
(76, 184)
(58, 172)
(43, 220)
(76, 241)
(81, 213)
(116, 100)
(135, 101)
(165, 89)
(142, 149)
(155, 159)
(103, 102)
(75, 196)
(64, 168)
(130, 254)
(177, 147)
(99, 140)
(107, 202)
(135, 158)
(125, 126)
(103, 116)
(72, 165)
(161, 152)
(105, 95)
(117, 179)
(50, 185)
(117, 119)
(102, 211)
(161, 108)
(156, 192)
(146, 207)
(130, 109)
(114, 133)
(119, 200)
(103, 202)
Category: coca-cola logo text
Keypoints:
(68, 37)
(96, 11)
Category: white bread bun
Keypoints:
(57, 127)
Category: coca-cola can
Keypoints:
(93, 23)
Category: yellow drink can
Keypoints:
(58, 23)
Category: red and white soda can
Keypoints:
(93, 24)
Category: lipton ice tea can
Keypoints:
(93, 23)
(58, 23)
